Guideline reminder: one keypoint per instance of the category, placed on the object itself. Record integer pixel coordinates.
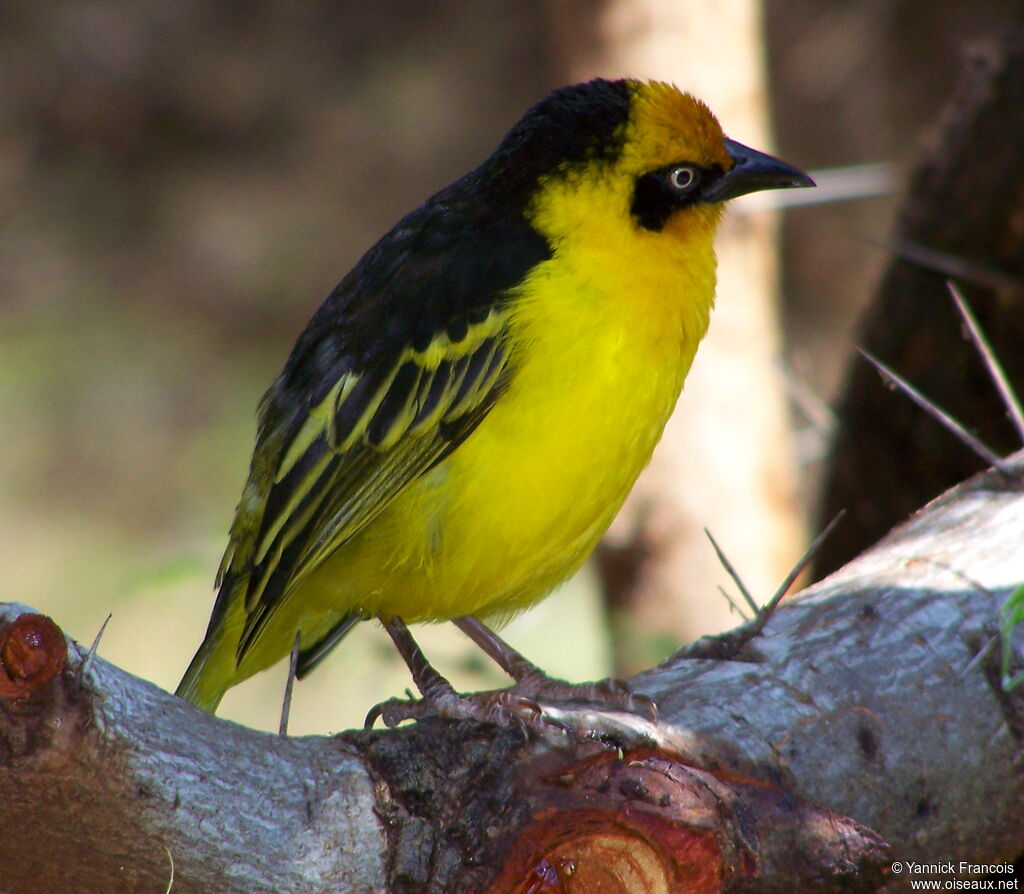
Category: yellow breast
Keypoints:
(601, 340)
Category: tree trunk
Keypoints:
(961, 219)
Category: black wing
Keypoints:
(394, 371)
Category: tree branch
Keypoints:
(874, 693)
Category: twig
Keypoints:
(995, 369)
(951, 265)
(727, 565)
(286, 704)
(766, 610)
(732, 603)
(937, 413)
(833, 185)
(815, 409)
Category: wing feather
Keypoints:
(386, 430)
(395, 370)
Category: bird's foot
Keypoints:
(536, 703)
(607, 710)
(610, 694)
(502, 707)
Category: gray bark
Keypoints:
(875, 693)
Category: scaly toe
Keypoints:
(610, 694)
(502, 707)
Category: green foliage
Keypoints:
(1010, 615)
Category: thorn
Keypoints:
(995, 369)
(727, 565)
(951, 265)
(815, 409)
(87, 664)
(982, 652)
(286, 705)
(813, 441)
(937, 413)
(732, 603)
(769, 607)
(834, 185)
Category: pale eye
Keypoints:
(682, 178)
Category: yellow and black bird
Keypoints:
(463, 416)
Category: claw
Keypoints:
(372, 716)
(648, 705)
(503, 707)
(394, 711)
(526, 703)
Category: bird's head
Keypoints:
(607, 157)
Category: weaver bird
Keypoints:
(463, 416)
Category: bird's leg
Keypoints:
(532, 683)
(510, 660)
(439, 697)
(432, 686)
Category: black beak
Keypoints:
(752, 171)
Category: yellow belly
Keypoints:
(522, 502)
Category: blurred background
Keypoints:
(183, 182)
